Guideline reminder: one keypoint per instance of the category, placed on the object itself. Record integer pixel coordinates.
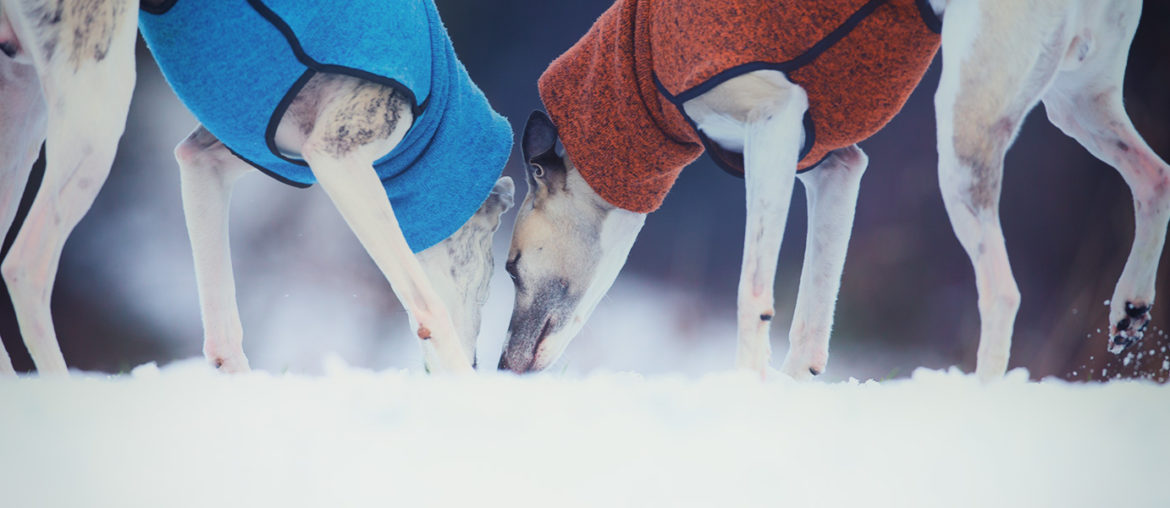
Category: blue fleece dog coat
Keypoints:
(238, 64)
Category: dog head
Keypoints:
(460, 267)
(567, 248)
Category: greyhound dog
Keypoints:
(67, 81)
(1000, 58)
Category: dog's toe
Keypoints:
(1129, 330)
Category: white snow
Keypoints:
(185, 436)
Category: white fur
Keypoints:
(831, 190)
(22, 127)
(619, 230)
(87, 101)
(772, 135)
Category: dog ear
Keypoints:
(497, 203)
(503, 194)
(540, 137)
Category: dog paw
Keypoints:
(804, 368)
(1129, 329)
(230, 365)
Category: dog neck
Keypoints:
(939, 6)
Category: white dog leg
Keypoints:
(22, 131)
(87, 88)
(1085, 102)
(995, 67)
(6, 363)
(208, 171)
(344, 167)
(832, 200)
(771, 151)
(1099, 122)
(357, 192)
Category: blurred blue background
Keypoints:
(126, 290)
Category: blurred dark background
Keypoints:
(126, 293)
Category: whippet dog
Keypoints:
(66, 80)
(1000, 58)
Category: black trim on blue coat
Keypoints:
(278, 115)
(281, 179)
(157, 9)
(417, 109)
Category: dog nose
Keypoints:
(517, 367)
(8, 48)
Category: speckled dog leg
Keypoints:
(774, 138)
(1085, 102)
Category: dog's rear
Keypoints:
(83, 56)
(1071, 55)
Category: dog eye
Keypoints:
(538, 171)
(510, 267)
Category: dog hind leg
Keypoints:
(87, 92)
(771, 152)
(22, 131)
(1085, 102)
(208, 171)
(832, 200)
(995, 68)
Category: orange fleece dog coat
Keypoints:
(616, 96)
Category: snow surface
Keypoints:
(185, 436)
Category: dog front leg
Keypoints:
(831, 189)
(354, 187)
(774, 135)
(208, 171)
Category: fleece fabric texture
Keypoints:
(616, 96)
(237, 64)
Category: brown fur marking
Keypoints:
(370, 112)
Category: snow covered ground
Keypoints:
(184, 436)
